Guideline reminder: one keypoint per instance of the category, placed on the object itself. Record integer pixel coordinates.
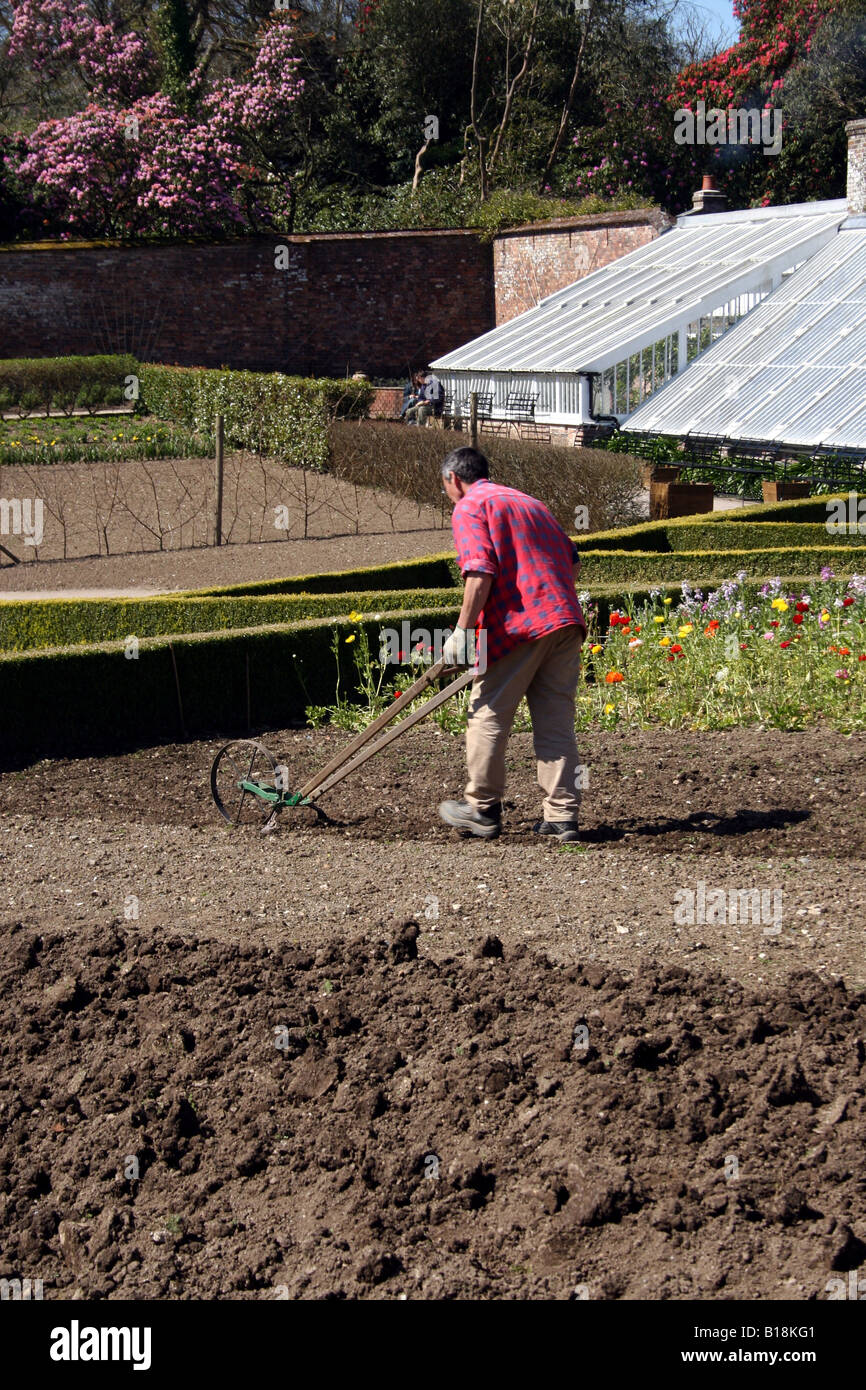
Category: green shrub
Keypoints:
(31, 383)
(745, 535)
(230, 683)
(28, 624)
(265, 412)
(637, 567)
(431, 572)
(666, 535)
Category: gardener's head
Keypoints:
(460, 470)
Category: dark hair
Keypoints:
(467, 464)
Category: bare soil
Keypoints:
(150, 524)
(347, 1061)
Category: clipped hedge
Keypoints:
(636, 567)
(429, 572)
(745, 535)
(668, 535)
(268, 413)
(93, 700)
(28, 624)
(64, 383)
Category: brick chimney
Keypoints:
(856, 132)
(709, 198)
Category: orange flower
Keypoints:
(614, 677)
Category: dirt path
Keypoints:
(167, 571)
(322, 1102)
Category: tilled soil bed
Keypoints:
(363, 1121)
(369, 1059)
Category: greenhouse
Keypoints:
(794, 373)
(604, 345)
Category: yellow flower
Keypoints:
(351, 639)
(610, 709)
(780, 604)
(659, 620)
(825, 616)
(684, 630)
(667, 600)
(355, 618)
(665, 642)
(596, 649)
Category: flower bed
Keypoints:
(782, 657)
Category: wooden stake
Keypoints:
(218, 483)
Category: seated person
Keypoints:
(411, 393)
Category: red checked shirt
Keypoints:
(506, 533)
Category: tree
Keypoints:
(176, 50)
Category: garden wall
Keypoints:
(328, 304)
(530, 263)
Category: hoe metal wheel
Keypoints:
(245, 782)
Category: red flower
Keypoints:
(784, 644)
(802, 608)
(675, 650)
(846, 602)
(774, 624)
(797, 618)
(862, 656)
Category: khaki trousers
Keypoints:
(546, 672)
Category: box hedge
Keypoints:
(638, 567)
(64, 383)
(670, 535)
(28, 624)
(93, 699)
(429, 572)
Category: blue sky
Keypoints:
(719, 13)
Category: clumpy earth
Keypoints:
(186, 1118)
(367, 1059)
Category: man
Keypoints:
(519, 568)
(431, 400)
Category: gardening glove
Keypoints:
(456, 648)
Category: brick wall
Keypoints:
(327, 305)
(339, 303)
(532, 262)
